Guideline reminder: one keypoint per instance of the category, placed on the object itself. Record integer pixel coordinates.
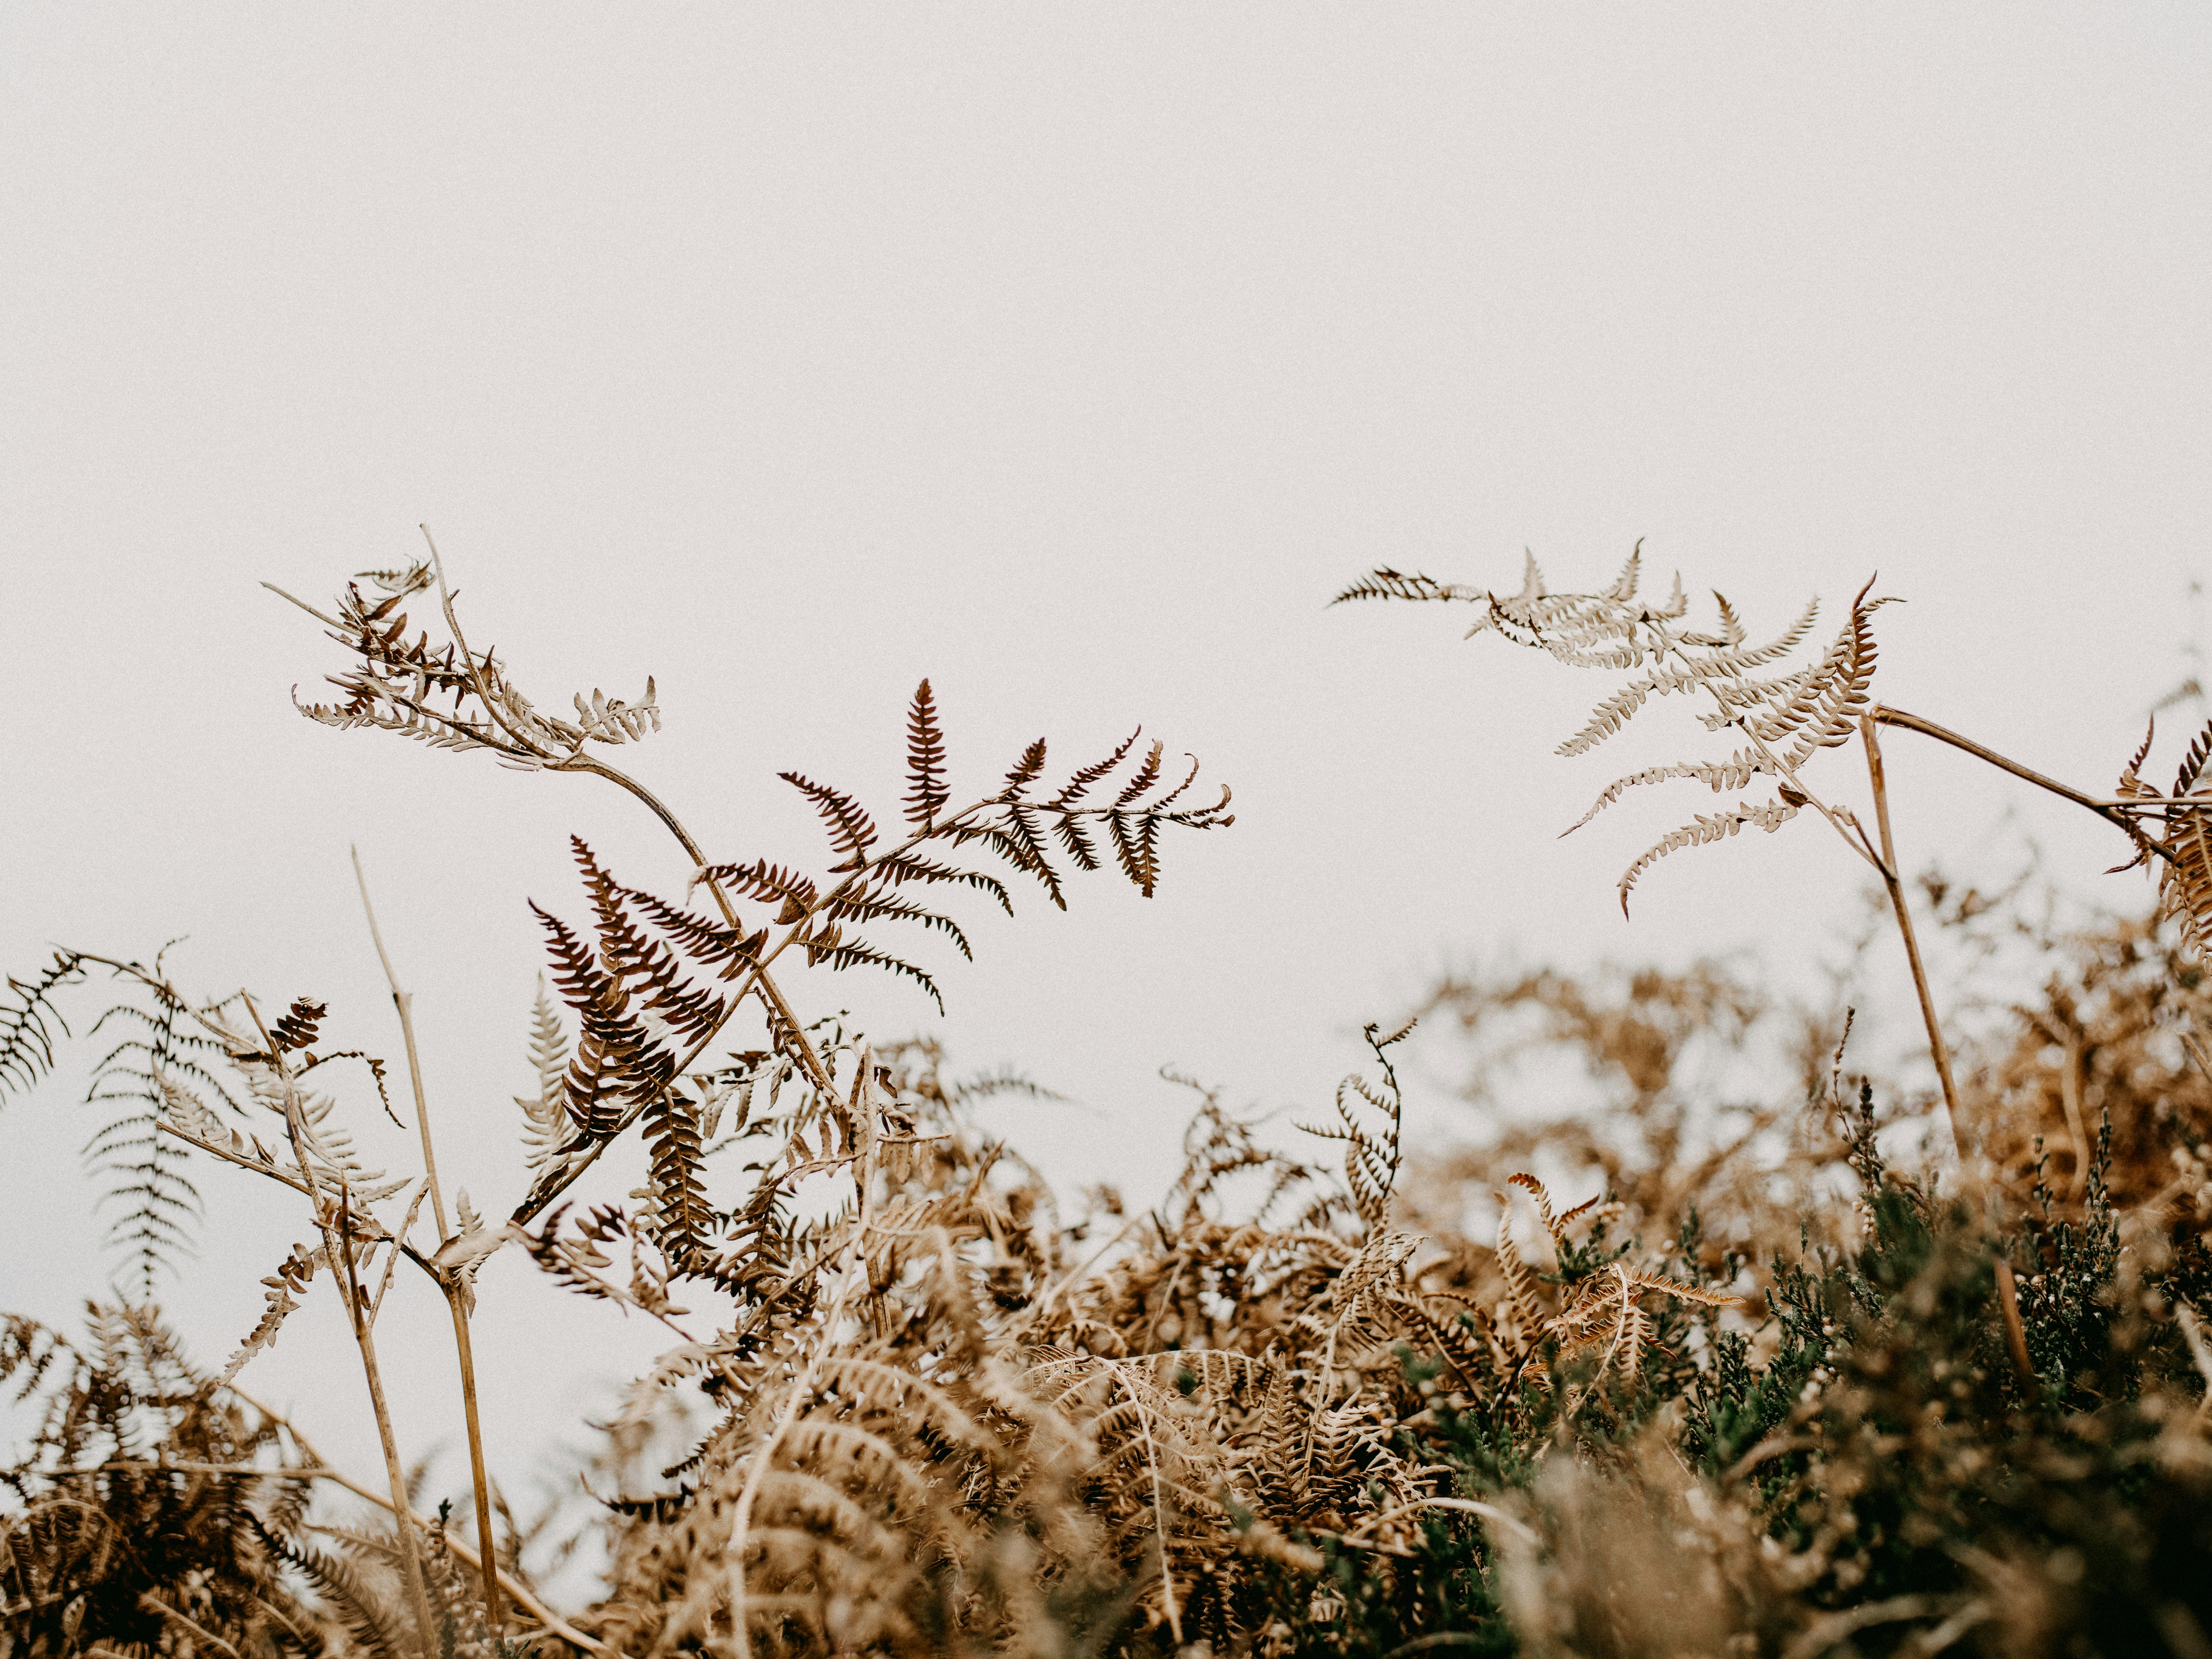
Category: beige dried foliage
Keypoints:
(922, 1412)
(1783, 717)
(954, 1414)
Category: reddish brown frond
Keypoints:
(707, 943)
(857, 953)
(1013, 838)
(864, 905)
(2132, 782)
(1528, 1184)
(1025, 771)
(1021, 830)
(1142, 779)
(684, 1220)
(617, 1060)
(1068, 830)
(852, 831)
(1080, 785)
(764, 881)
(900, 867)
(2192, 761)
(924, 755)
(297, 1029)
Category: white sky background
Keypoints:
(1072, 358)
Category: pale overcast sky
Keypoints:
(1071, 355)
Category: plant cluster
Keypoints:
(1758, 1389)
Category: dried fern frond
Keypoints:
(2184, 876)
(444, 694)
(545, 1130)
(1370, 1160)
(2182, 851)
(165, 1057)
(144, 1494)
(1783, 719)
(1601, 1312)
(29, 1021)
(290, 1280)
(646, 1015)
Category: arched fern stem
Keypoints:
(770, 993)
(2119, 814)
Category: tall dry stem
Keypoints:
(1894, 886)
(449, 1279)
(332, 1220)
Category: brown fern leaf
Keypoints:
(290, 1278)
(1132, 851)
(852, 831)
(617, 1060)
(2132, 782)
(296, 1029)
(1702, 832)
(1528, 1184)
(1014, 838)
(863, 905)
(707, 943)
(1140, 781)
(1372, 1157)
(1384, 583)
(1068, 830)
(2184, 886)
(902, 867)
(644, 965)
(1734, 773)
(925, 750)
(840, 953)
(683, 1218)
(767, 882)
(1079, 784)
(399, 582)
(1025, 771)
(1520, 1289)
(1787, 718)
(2192, 763)
(30, 1020)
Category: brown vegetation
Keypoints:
(1755, 1390)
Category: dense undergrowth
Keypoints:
(1779, 1373)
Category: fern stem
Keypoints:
(2110, 812)
(448, 1279)
(338, 1252)
(769, 992)
(1936, 1047)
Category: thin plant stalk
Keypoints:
(448, 1279)
(1937, 1049)
(337, 1250)
(322, 1469)
(2016, 1332)
(2119, 813)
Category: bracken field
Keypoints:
(1851, 1366)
